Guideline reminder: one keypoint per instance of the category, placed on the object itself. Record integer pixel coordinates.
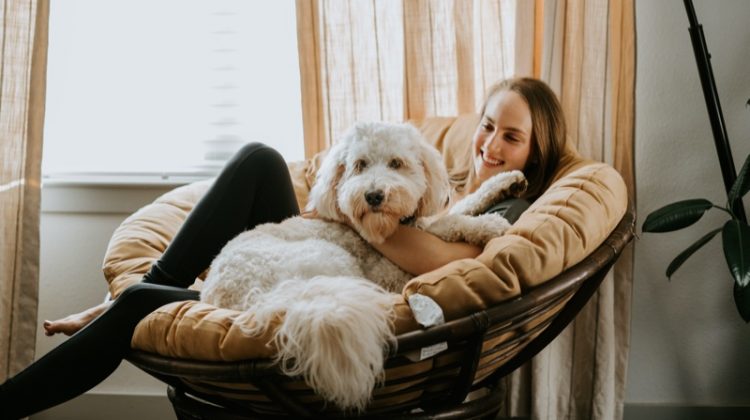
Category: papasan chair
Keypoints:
(501, 308)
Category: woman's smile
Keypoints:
(488, 161)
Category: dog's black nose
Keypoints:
(374, 198)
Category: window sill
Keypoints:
(123, 179)
(109, 193)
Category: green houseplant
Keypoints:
(735, 234)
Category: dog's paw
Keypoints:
(484, 228)
(447, 227)
(492, 191)
(517, 183)
(507, 184)
(476, 230)
(424, 223)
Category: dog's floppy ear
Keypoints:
(436, 175)
(323, 193)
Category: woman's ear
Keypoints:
(436, 175)
(324, 191)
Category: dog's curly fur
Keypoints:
(325, 286)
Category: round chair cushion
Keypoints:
(577, 212)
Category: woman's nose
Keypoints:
(494, 144)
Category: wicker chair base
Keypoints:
(187, 407)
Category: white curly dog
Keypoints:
(325, 286)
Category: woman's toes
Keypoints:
(66, 326)
(47, 330)
(51, 327)
(72, 323)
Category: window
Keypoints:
(169, 86)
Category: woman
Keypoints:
(521, 127)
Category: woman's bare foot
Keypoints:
(74, 322)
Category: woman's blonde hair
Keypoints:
(548, 132)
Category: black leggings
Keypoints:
(253, 188)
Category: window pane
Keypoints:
(144, 86)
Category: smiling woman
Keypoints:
(178, 93)
(521, 128)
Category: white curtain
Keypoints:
(397, 60)
(586, 52)
(23, 62)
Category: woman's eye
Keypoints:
(395, 164)
(487, 126)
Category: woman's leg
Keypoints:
(253, 188)
(88, 356)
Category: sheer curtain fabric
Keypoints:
(22, 85)
(586, 52)
(399, 60)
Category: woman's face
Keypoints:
(502, 141)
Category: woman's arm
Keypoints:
(418, 252)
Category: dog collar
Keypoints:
(407, 220)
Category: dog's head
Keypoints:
(377, 175)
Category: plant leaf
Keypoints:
(676, 215)
(736, 239)
(742, 301)
(741, 184)
(684, 255)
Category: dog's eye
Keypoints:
(395, 163)
(360, 165)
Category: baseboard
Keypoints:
(683, 412)
(157, 407)
(111, 407)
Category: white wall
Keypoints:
(689, 345)
(76, 224)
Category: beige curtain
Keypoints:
(586, 52)
(396, 60)
(23, 62)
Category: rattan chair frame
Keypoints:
(441, 390)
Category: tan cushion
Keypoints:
(561, 227)
(567, 222)
(196, 330)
